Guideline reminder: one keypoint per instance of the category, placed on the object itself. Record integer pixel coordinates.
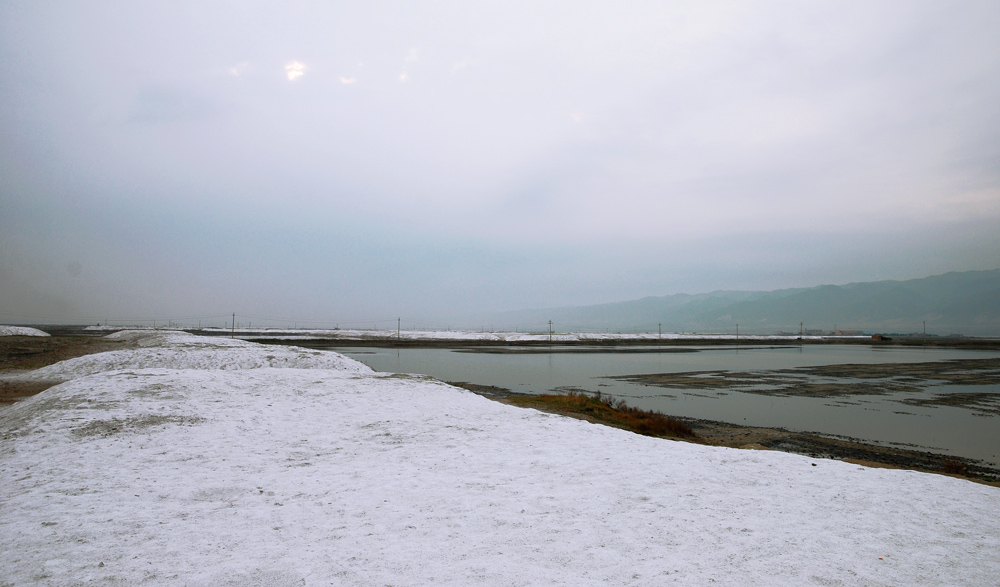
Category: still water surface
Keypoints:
(874, 418)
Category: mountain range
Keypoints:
(953, 303)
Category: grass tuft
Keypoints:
(954, 467)
(608, 410)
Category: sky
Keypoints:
(325, 163)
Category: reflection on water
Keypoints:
(909, 406)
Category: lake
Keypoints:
(796, 387)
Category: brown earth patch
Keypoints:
(607, 410)
(33, 352)
(25, 353)
(11, 391)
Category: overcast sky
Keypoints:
(351, 162)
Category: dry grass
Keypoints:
(607, 410)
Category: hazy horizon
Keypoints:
(333, 163)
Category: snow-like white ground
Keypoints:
(173, 471)
(179, 350)
(21, 331)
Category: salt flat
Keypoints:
(199, 461)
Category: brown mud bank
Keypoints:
(32, 352)
(813, 445)
(23, 353)
(842, 449)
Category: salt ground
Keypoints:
(459, 335)
(170, 468)
(465, 335)
(21, 331)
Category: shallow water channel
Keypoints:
(906, 398)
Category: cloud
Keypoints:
(700, 123)
(294, 70)
(410, 58)
(239, 69)
(461, 65)
(170, 104)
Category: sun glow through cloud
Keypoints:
(294, 70)
(348, 80)
(239, 69)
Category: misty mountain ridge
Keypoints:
(957, 302)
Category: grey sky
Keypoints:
(359, 161)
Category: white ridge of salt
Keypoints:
(444, 335)
(458, 335)
(21, 331)
(203, 475)
(180, 350)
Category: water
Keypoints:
(881, 419)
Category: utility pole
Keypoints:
(925, 332)
(232, 333)
(550, 331)
(659, 331)
(737, 333)
(397, 329)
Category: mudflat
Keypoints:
(832, 381)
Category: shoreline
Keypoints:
(560, 341)
(810, 444)
(20, 354)
(610, 344)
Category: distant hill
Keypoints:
(964, 303)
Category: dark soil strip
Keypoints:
(11, 391)
(852, 450)
(32, 352)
